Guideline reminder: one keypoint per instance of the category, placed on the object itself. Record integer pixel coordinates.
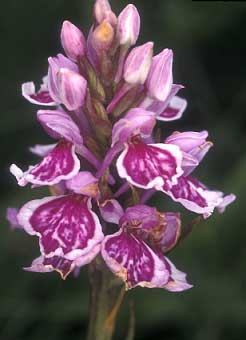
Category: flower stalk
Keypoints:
(107, 294)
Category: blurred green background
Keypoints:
(208, 39)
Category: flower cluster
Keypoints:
(108, 158)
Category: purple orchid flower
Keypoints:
(107, 97)
(67, 229)
(191, 193)
(135, 252)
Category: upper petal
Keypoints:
(227, 200)
(188, 141)
(55, 64)
(58, 124)
(136, 121)
(165, 235)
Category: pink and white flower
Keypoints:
(107, 97)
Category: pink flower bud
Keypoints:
(102, 10)
(138, 63)
(55, 64)
(102, 37)
(188, 141)
(160, 78)
(84, 183)
(72, 88)
(73, 41)
(128, 26)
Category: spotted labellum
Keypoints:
(101, 101)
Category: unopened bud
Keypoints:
(138, 63)
(128, 26)
(72, 88)
(73, 41)
(103, 37)
(84, 183)
(102, 10)
(160, 78)
(188, 141)
(55, 64)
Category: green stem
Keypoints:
(106, 297)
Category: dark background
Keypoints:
(208, 39)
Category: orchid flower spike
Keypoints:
(107, 158)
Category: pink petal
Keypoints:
(141, 217)
(61, 265)
(73, 41)
(160, 230)
(194, 196)
(171, 231)
(65, 225)
(41, 150)
(160, 78)
(111, 211)
(42, 97)
(60, 164)
(47, 265)
(133, 261)
(159, 106)
(174, 110)
(58, 124)
(55, 64)
(84, 183)
(188, 141)
(128, 26)
(177, 280)
(136, 121)
(150, 165)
